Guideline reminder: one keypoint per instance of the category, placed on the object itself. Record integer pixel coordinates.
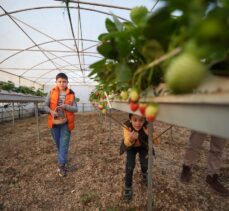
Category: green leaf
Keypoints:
(152, 50)
(98, 64)
(103, 36)
(107, 49)
(123, 72)
(110, 26)
(160, 26)
(118, 24)
(138, 14)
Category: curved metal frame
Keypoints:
(44, 43)
(57, 7)
(53, 7)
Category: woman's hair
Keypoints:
(62, 75)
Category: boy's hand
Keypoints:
(133, 136)
(63, 106)
(53, 113)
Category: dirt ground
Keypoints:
(29, 179)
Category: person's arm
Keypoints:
(155, 140)
(47, 104)
(71, 108)
(130, 137)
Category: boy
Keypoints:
(136, 141)
(60, 102)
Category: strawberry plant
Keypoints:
(178, 44)
(144, 51)
(9, 86)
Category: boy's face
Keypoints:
(61, 83)
(137, 122)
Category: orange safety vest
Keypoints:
(69, 99)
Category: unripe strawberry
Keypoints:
(185, 73)
(151, 112)
(124, 95)
(134, 96)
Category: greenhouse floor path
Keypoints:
(95, 180)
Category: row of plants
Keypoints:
(10, 86)
(178, 45)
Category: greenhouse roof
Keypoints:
(39, 40)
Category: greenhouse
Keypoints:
(114, 105)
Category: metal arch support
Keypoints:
(44, 43)
(56, 57)
(69, 64)
(9, 13)
(45, 50)
(62, 57)
(56, 7)
(41, 50)
(100, 5)
(29, 37)
(21, 77)
(73, 35)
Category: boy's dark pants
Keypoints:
(130, 163)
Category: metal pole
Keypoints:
(37, 120)
(110, 124)
(22, 112)
(13, 115)
(12, 137)
(19, 111)
(150, 163)
(2, 114)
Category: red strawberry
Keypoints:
(151, 112)
(133, 106)
(100, 107)
(142, 108)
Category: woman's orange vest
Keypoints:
(69, 99)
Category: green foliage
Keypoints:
(77, 99)
(138, 15)
(9, 86)
(130, 49)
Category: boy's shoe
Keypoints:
(127, 196)
(213, 181)
(186, 174)
(144, 179)
(62, 170)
